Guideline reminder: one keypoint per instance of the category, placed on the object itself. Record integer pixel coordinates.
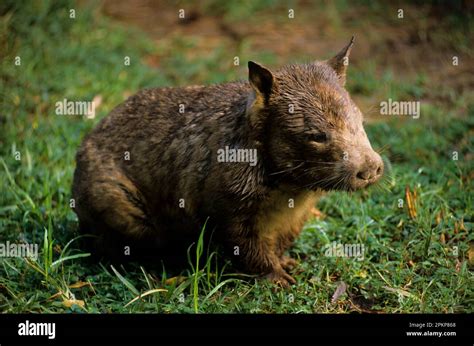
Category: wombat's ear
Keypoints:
(261, 80)
(340, 62)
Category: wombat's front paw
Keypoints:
(288, 263)
(281, 278)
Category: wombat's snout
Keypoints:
(369, 171)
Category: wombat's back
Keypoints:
(156, 111)
(152, 152)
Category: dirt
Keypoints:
(419, 45)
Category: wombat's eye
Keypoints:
(318, 137)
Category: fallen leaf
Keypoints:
(70, 302)
(80, 284)
(411, 200)
(175, 280)
(340, 290)
(458, 266)
(54, 296)
(439, 217)
(97, 100)
(442, 238)
(470, 254)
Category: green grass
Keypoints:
(410, 265)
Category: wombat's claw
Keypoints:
(288, 263)
(281, 278)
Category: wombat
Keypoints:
(249, 158)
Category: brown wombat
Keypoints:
(248, 157)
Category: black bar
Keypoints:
(160, 329)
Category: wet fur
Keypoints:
(173, 158)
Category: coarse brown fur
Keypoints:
(148, 176)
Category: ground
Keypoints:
(416, 227)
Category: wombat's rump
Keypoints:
(250, 158)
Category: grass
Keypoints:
(411, 264)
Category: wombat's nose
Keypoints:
(372, 170)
